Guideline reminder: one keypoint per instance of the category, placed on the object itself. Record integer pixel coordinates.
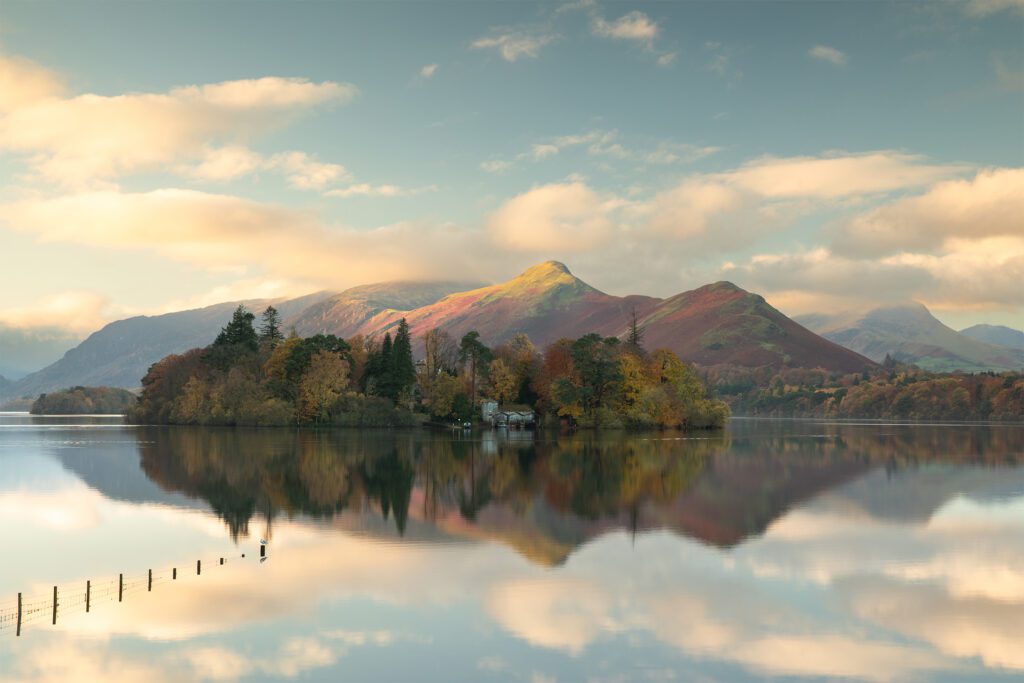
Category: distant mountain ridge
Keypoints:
(715, 324)
(910, 333)
(1000, 335)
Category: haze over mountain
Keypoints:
(911, 334)
(1000, 335)
(26, 350)
(715, 324)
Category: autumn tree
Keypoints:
(325, 378)
(504, 384)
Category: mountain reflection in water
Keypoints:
(776, 549)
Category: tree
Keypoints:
(321, 385)
(597, 368)
(439, 352)
(403, 370)
(270, 330)
(503, 381)
(635, 335)
(473, 352)
(239, 331)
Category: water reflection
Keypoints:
(819, 551)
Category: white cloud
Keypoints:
(553, 218)
(86, 139)
(632, 26)
(495, 165)
(225, 163)
(667, 59)
(23, 82)
(828, 54)
(306, 173)
(79, 311)
(515, 45)
(428, 71)
(368, 190)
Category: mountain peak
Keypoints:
(548, 268)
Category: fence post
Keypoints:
(222, 560)
(174, 573)
(199, 567)
(18, 633)
(54, 605)
(149, 588)
(88, 592)
(120, 586)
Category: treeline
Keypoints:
(895, 392)
(250, 377)
(84, 401)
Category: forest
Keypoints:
(251, 376)
(893, 392)
(84, 401)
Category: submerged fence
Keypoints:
(16, 614)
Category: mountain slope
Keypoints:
(119, 354)
(911, 334)
(718, 323)
(346, 313)
(26, 350)
(723, 324)
(999, 335)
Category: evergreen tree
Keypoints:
(403, 370)
(472, 352)
(635, 335)
(239, 331)
(270, 330)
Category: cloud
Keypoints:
(23, 82)
(984, 8)
(840, 175)
(990, 204)
(428, 71)
(667, 59)
(79, 311)
(825, 53)
(305, 172)
(225, 163)
(560, 217)
(515, 45)
(632, 26)
(85, 139)
(219, 232)
(495, 165)
(368, 190)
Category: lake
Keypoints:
(793, 550)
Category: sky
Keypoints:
(828, 155)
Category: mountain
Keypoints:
(718, 323)
(120, 353)
(346, 313)
(25, 350)
(999, 335)
(911, 334)
(715, 324)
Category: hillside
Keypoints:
(911, 334)
(23, 351)
(351, 311)
(999, 335)
(715, 324)
(120, 353)
(723, 324)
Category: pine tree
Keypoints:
(239, 331)
(403, 370)
(635, 336)
(270, 330)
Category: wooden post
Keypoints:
(263, 551)
(150, 586)
(88, 592)
(54, 605)
(120, 586)
(174, 574)
(199, 567)
(222, 560)
(18, 632)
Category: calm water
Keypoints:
(779, 550)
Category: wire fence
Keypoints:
(21, 612)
